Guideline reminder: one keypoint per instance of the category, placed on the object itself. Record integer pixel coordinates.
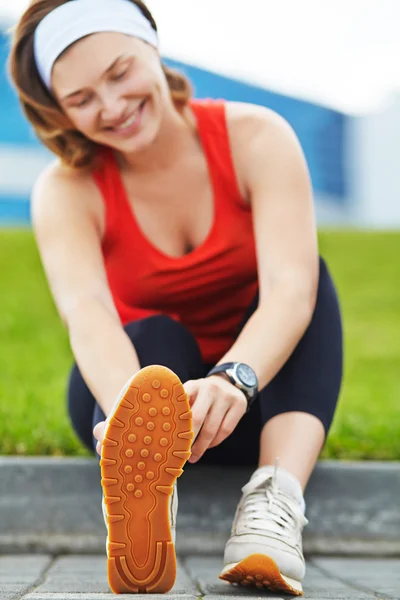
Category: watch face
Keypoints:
(246, 375)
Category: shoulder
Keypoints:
(56, 176)
(60, 190)
(253, 124)
(262, 142)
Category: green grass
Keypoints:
(35, 357)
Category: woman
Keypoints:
(178, 235)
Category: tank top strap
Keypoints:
(213, 132)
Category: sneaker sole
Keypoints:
(146, 444)
(261, 571)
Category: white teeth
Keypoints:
(129, 121)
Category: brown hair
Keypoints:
(50, 123)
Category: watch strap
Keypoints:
(223, 369)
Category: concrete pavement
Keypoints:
(52, 506)
(43, 577)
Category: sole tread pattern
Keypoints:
(262, 572)
(145, 447)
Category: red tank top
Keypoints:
(207, 290)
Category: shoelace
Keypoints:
(267, 507)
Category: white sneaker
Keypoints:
(265, 547)
(146, 443)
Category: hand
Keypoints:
(99, 429)
(217, 407)
(98, 433)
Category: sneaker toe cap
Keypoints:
(288, 559)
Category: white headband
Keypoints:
(75, 19)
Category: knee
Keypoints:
(323, 269)
(158, 328)
(160, 339)
(325, 281)
(327, 303)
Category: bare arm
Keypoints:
(275, 177)
(64, 218)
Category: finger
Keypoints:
(98, 431)
(98, 448)
(211, 426)
(200, 409)
(191, 388)
(227, 426)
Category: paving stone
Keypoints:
(19, 573)
(88, 574)
(12, 591)
(84, 578)
(378, 576)
(23, 569)
(243, 592)
(240, 592)
(10, 595)
(100, 596)
(205, 571)
(319, 585)
(77, 574)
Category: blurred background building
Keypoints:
(349, 127)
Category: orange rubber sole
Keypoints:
(146, 444)
(261, 571)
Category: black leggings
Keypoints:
(309, 381)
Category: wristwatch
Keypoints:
(242, 376)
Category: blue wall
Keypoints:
(321, 131)
(14, 129)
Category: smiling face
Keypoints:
(113, 89)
